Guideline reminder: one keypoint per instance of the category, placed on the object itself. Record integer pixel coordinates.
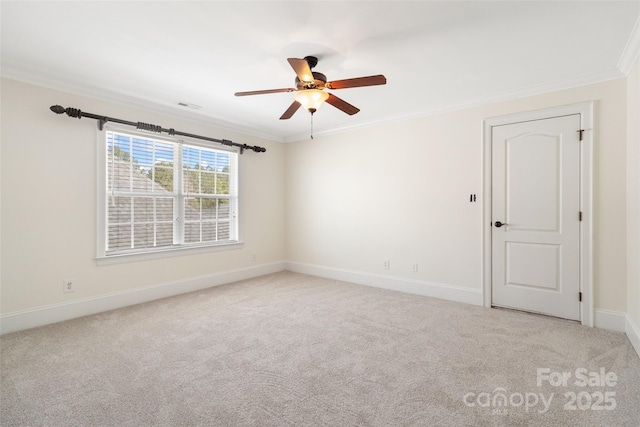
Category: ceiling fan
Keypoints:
(310, 87)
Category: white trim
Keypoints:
(169, 252)
(585, 110)
(610, 320)
(631, 50)
(400, 284)
(80, 89)
(519, 93)
(25, 319)
(105, 95)
(102, 258)
(633, 333)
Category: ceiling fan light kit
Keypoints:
(311, 85)
(311, 99)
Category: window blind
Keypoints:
(163, 193)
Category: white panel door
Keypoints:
(535, 216)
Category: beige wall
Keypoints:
(49, 203)
(400, 192)
(633, 191)
(397, 192)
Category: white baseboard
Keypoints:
(26, 319)
(610, 320)
(418, 287)
(633, 333)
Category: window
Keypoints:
(162, 194)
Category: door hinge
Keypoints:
(580, 216)
(580, 296)
(580, 132)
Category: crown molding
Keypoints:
(129, 101)
(630, 51)
(633, 45)
(523, 92)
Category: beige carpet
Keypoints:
(295, 350)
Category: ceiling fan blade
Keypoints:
(290, 111)
(301, 67)
(262, 92)
(341, 104)
(358, 82)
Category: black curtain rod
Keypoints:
(74, 112)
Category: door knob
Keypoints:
(500, 224)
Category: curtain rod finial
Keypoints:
(57, 109)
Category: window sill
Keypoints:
(165, 253)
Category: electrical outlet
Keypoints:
(67, 285)
(254, 258)
(387, 265)
(414, 268)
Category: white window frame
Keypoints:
(102, 258)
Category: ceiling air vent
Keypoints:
(192, 106)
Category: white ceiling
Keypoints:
(437, 56)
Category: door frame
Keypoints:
(585, 110)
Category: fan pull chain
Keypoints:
(311, 125)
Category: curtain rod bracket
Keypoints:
(102, 120)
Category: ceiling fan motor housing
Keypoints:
(319, 82)
(311, 60)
